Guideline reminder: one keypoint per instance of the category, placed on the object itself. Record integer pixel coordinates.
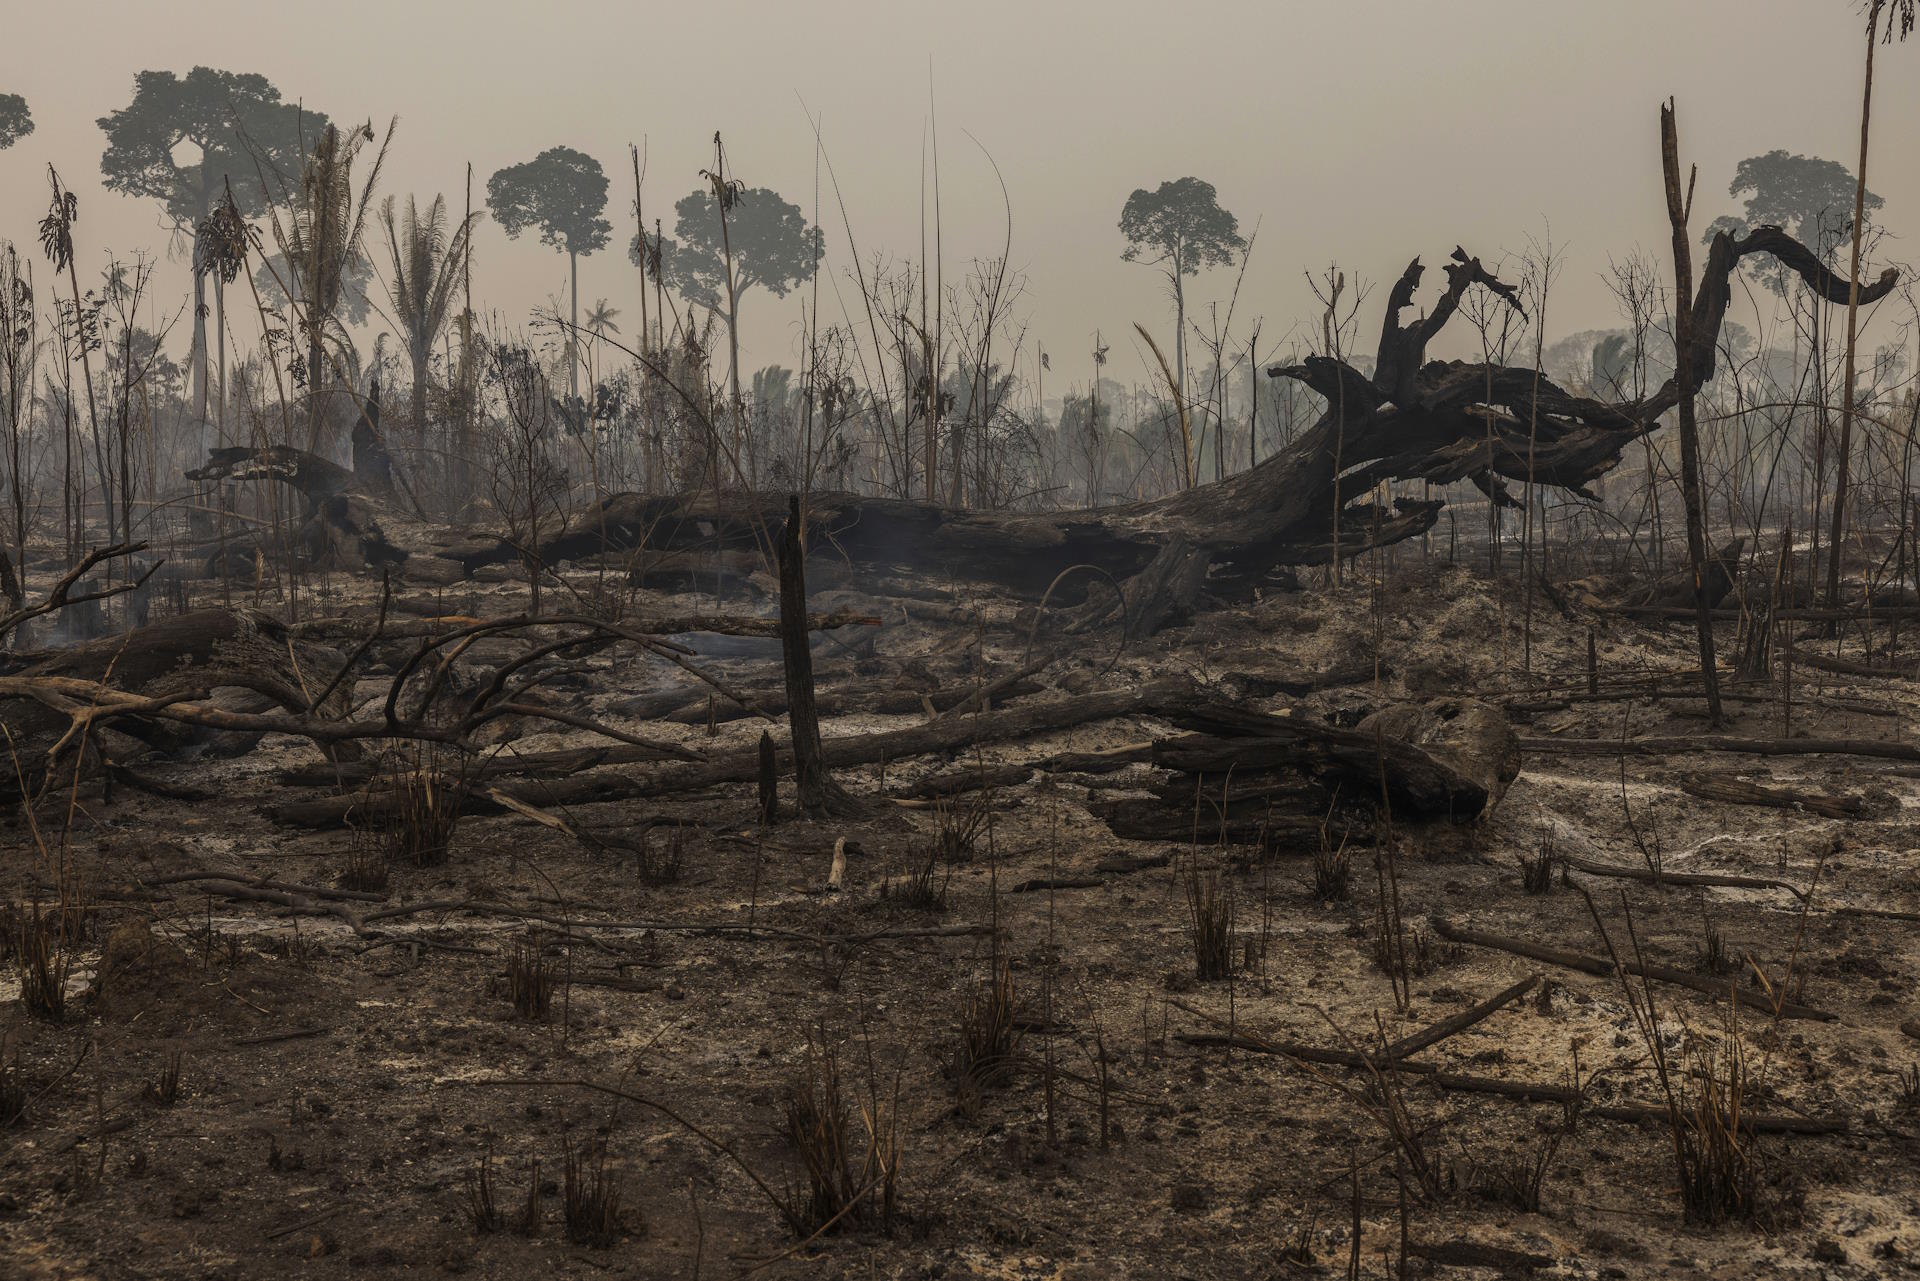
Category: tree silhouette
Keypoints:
(427, 265)
(322, 239)
(773, 247)
(1181, 229)
(562, 193)
(245, 136)
(1810, 198)
(16, 122)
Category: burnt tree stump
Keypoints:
(809, 764)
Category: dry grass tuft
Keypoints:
(366, 869)
(1708, 1118)
(588, 1196)
(1536, 869)
(528, 1224)
(43, 958)
(924, 888)
(851, 1181)
(1713, 1142)
(529, 981)
(1908, 1099)
(1332, 869)
(164, 1090)
(955, 831)
(426, 787)
(482, 1212)
(1715, 958)
(989, 1033)
(1210, 918)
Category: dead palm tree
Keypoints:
(428, 264)
(323, 234)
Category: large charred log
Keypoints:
(1414, 420)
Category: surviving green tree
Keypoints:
(242, 136)
(16, 122)
(772, 246)
(1181, 229)
(1810, 198)
(562, 193)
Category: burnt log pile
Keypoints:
(1283, 782)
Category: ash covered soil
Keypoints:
(339, 1091)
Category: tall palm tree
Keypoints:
(600, 320)
(427, 267)
(598, 324)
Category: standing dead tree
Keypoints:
(1678, 209)
(809, 767)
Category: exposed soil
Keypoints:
(337, 1090)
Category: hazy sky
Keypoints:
(1363, 132)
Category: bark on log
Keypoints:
(1738, 791)
(946, 735)
(1602, 967)
(1473, 755)
(1675, 745)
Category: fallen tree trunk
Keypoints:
(1679, 745)
(1848, 666)
(1433, 421)
(1443, 760)
(1646, 875)
(1738, 791)
(1604, 968)
(945, 735)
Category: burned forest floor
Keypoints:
(606, 1036)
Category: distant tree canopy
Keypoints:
(561, 193)
(16, 122)
(246, 138)
(355, 303)
(1181, 226)
(1811, 198)
(773, 247)
(244, 134)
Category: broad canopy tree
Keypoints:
(1180, 228)
(561, 193)
(185, 140)
(16, 122)
(1809, 198)
(772, 246)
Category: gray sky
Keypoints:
(1363, 132)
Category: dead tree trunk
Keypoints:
(809, 765)
(769, 781)
(1678, 209)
